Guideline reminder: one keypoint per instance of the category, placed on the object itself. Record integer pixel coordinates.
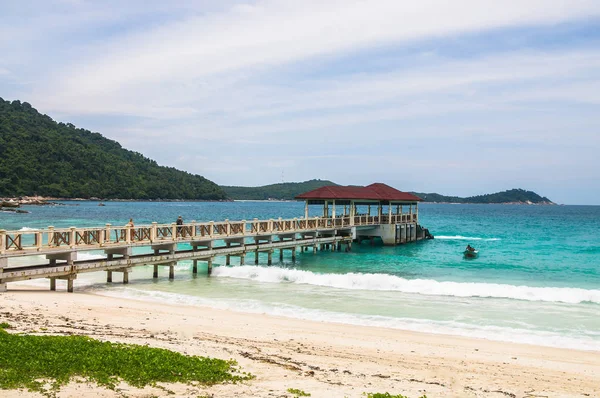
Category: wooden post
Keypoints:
(72, 237)
(39, 237)
(108, 276)
(70, 285)
(155, 273)
(270, 258)
(3, 263)
(417, 212)
(294, 254)
(228, 260)
(306, 210)
(50, 236)
(193, 229)
(333, 210)
(256, 257)
(195, 267)
(390, 213)
(280, 254)
(242, 259)
(125, 276)
(107, 233)
(172, 270)
(2, 241)
(210, 265)
(153, 231)
(227, 227)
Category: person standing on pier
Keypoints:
(179, 223)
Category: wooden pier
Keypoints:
(166, 244)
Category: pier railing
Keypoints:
(109, 235)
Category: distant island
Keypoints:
(289, 190)
(39, 156)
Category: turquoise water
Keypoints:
(536, 280)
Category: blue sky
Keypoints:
(461, 98)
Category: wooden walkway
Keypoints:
(207, 240)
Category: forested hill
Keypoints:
(510, 196)
(39, 156)
(283, 191)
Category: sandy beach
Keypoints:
(323, 359)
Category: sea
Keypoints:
(536, 280)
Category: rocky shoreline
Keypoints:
(14, 204)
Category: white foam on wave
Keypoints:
(498, 333)
(386, 282)
(459, 237)
(27, 229)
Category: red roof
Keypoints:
(377, 191)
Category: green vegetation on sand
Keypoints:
(39, 156)
(28, 361)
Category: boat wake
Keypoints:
(459, 237)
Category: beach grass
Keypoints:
(45, 363)
(388, 395)
(298, 393)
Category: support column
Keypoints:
(195, 267)
(228, 260)
(3, 264)
(53, 284)
(333, 210)
(70, 285)
(294, 254)
(306, 210)
(108, 276)
(126, 276)
(210, 265)
(155, 274)
(256, 257)
(280, 254)
(172, 270)
(242, 259)
(270, 258)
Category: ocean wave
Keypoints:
(459, 237)
(516, 335)
(386, 282)
(27, 229)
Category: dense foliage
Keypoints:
(26, 361)
(283, 191)
(510, 196)
(39, 156)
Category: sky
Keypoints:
(461, 97)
